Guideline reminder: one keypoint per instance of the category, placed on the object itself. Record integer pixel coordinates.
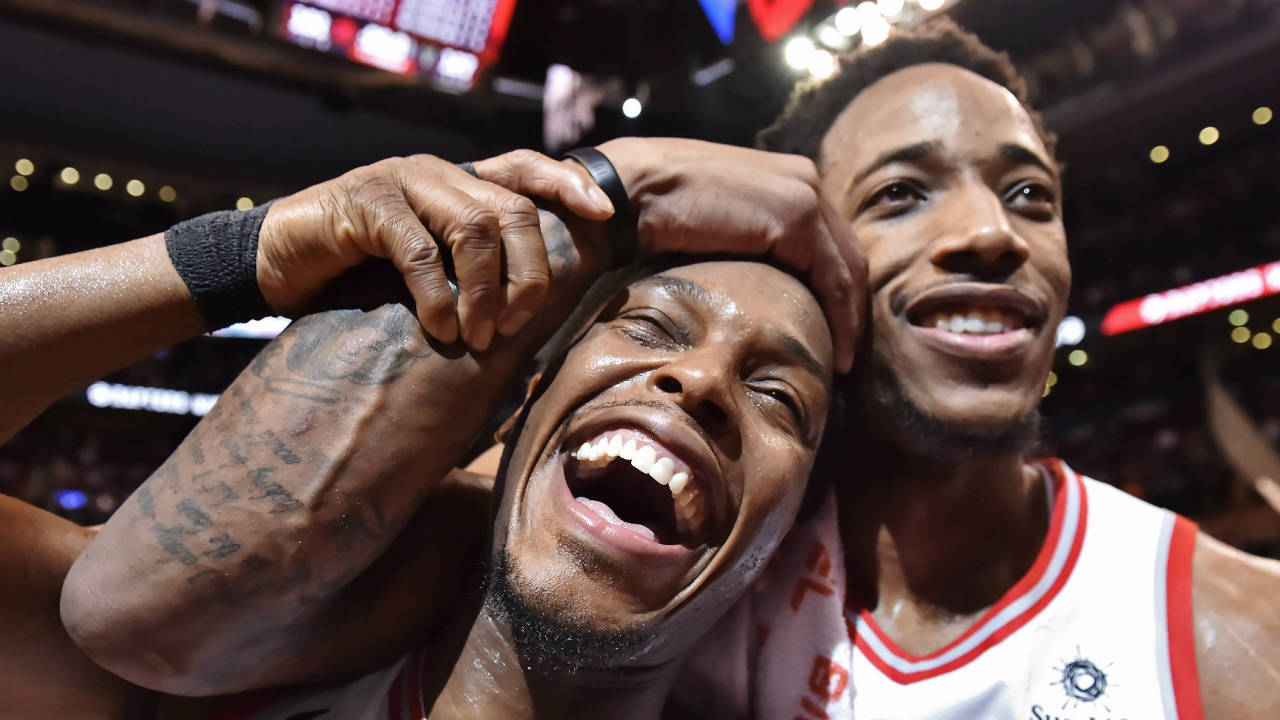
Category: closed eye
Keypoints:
(650, 329)
(788, 401)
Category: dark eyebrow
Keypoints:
(902, 154)
(680, 288)
(800, 353)
(1020, 154)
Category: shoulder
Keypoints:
(1236, 601)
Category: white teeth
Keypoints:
(662, 470)
(644, 459)
(976, 322)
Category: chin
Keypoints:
(953, 421)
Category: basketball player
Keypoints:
(958, 578)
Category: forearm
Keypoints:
(42, 672)
(310, 464)
(71, 319)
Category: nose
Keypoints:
(980, 241)
(699, 383)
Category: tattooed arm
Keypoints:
(225, 569)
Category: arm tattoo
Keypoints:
(272, 490)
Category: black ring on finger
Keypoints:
(469, 168)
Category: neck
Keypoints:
(490, 679)
(932, 539)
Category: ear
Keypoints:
(500, 435)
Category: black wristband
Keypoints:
(623, 231)
(216, 255)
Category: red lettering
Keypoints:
(827, 678)
(819, 561)
(804, 585)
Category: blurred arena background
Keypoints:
(122, 117)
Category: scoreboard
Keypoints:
(450, 42)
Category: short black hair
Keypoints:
(815, 105)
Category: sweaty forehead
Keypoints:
(932, 102)
(750, 294)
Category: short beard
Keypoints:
(929, 435)
(554, 643)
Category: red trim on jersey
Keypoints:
(1182, 636)
(417, 712)
(1023, 586)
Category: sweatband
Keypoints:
(216, 255)
(623, 231)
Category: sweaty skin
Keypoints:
(728, 366)
(943, 178)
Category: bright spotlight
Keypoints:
(797, 52)
(832, 37)
(822, 64)
(848, 21)
(244, 203)
(135, 188)
(69, 175)
(8, 257)
(1262, 115)
(1238, 317)
(889, 8)
(103, 181)
(1078, 358)
(1262, 341)
(875, 29)
(168, 194)
(1208, 135)
(18, 183)
(631, 107)
(1159, 154)
(1240, 335)
(1070, 331)
(930, 5)
(26, 167)
(12, 244)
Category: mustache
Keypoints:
(901, 297)
(680, 416)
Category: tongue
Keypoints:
(610, 517)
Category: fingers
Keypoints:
(395, 228)
(840, 278)
(493, 238)
(528, 273)
(525, 172)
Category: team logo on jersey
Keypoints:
(1081, 680)
(1083, 683)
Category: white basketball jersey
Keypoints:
(1100, 628)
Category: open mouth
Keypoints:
(634, 482)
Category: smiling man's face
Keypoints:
(668, 455)
(951, 191)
